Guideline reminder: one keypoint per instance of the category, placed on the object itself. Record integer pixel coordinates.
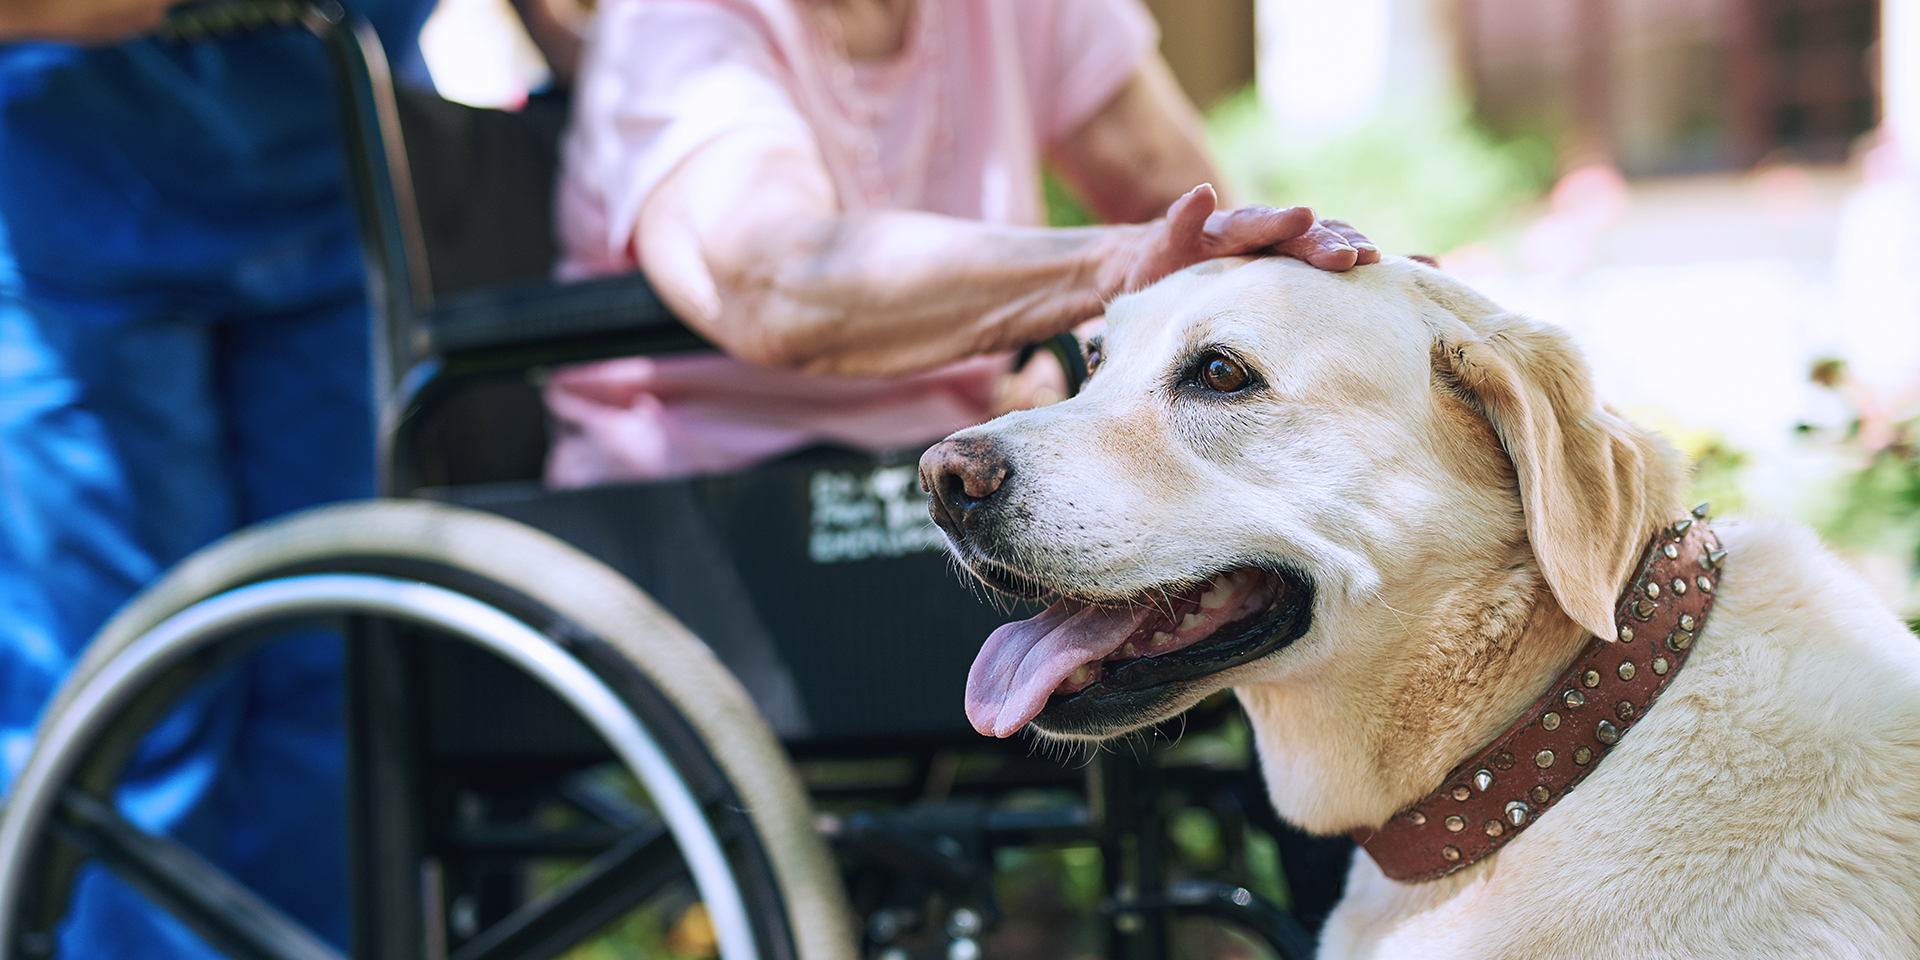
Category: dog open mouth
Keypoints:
(1075, 656)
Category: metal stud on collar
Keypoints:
(1626, 678)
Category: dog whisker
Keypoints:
(1174, 741)
(1401, 615)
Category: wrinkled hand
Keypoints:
(1194, 231)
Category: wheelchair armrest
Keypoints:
(538, 324)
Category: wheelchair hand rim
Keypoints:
(511, 639)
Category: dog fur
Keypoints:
(1467, 513)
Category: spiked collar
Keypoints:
(1497, 793)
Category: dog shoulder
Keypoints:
(1800, 665)
(1778, 778)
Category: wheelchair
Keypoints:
(721, 714)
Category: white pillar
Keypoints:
(1330, 66)
(1900, 77)
(1877, 289)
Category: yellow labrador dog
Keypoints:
(1468, 615)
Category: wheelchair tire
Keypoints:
(585, 632)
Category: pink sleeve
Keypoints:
(662, 79)
(1079, 53)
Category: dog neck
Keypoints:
(1348, 745)
(1349, 741)
(1528, 767)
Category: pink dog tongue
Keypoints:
(1022, 662)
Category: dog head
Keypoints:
(1279, 473)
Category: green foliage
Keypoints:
(1264, 873)
(1415, 179)
(1196, 834)
(1879, 504)
(1876, 506)
(1717, 468)
(1071, 877)
(639, 935)
(1063, 208)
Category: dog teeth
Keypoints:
(1192, 620)
(1081, 675)
(1221, 590)
(1129, 651)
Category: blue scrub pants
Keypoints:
(126, 442)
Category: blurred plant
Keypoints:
(1196, 834)
(649, 932)
(1717, 463)
(1877, 507)
(1418, 178)
(1063, 208)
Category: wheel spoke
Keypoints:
(201, 895)
(607, 887)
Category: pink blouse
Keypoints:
(957, 125)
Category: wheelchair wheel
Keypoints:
(722, 804)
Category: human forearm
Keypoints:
(1139, 152)
(745, 241)
(80, 21)
(888, 293)
(893, 292)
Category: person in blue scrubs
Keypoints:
(183, 352)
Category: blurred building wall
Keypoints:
(1670, 86)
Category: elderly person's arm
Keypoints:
(80, 21)
(745, 240)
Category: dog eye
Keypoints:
(1095, 350)
(1223, 373)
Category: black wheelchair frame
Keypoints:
(438, 729)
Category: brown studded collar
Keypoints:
(1489, 799)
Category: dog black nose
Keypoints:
(959, 476)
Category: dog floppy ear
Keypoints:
(1592, 485)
